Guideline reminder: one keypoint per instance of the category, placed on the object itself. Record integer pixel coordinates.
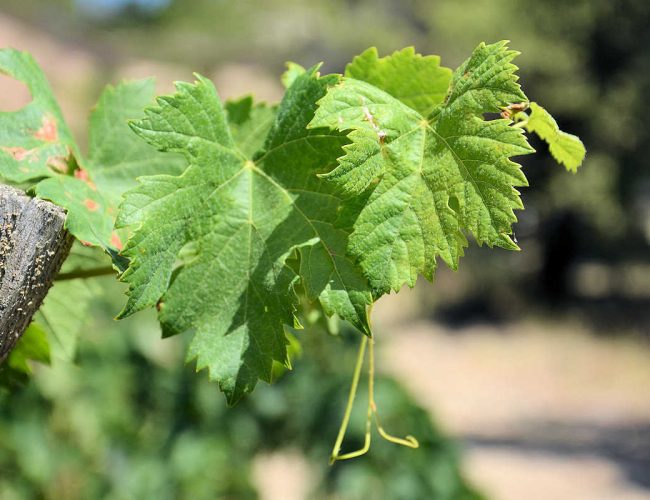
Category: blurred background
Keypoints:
(525, 375)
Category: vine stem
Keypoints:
(85, 273)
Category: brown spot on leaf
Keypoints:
(19, 154)
(85, 243)
(159, 305)
(116, 241)
(91, 205)
(512, 109)
(58, 164)
(82, 175)
(519, 106)
(48, 131)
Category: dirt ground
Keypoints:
(546, 410)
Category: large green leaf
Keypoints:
(428, 179)
(211, 245)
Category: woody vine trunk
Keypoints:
(33, 245)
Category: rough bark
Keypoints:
(33, 245)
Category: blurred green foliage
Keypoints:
(130, 420)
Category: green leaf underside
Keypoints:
(567, 149)
(428, 179)
(242, 212)
(35, 142)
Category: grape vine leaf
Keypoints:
(35, 141)
(242, 214)
(37, 147)
(567, 149)
(429, 179)
(115, 159)
(249, 123)
(115, 156)
(294, 70)
(422, 88)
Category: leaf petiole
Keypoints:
(85, 273)
(408, 441)
(348, 411)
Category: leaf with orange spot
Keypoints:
(91, 204)
(116, 241)
(115, 158)
(88, 217)
(36, 145)
(35, 141)
(48, 131)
